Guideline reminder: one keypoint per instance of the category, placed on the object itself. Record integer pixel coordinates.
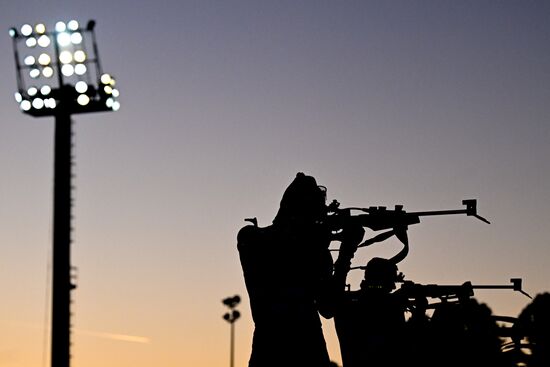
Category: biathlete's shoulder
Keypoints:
(252, 234)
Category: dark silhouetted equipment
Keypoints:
(446, 293)
(379, 217)
(59, 74)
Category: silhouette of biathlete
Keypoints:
(287, 269)
(370, 322)
(534, 323)
(373, 330)
(464, 333)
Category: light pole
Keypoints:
(232, 316)
(59, 74)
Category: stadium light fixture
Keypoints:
(57, 59)
(59, 74)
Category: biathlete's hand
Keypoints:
(351, 237)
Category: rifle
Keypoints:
(411, 290)
(379, 217)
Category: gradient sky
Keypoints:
(419, 103)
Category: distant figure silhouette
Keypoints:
(287, 266)
(464, 333)
(370, 322)
(534, 322)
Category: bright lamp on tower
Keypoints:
(52, 63)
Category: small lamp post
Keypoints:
(59, 74)
(232, 316)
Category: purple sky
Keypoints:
(419, 103)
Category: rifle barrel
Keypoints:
(494, 287)
(439, 212)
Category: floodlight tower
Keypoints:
(232, 316)
(59, 74)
